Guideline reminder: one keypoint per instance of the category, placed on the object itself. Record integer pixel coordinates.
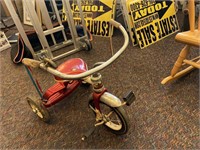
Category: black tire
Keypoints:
(88, 45)
(39, 109)
(121, 115)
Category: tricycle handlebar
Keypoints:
(114, 23)
(96, 69)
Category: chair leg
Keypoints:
(179, 74)
(175, 73)
(180, 59)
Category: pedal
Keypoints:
(129, 98)
(87, 134)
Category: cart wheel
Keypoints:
(116, 118)
(39, 109)
(88, 45)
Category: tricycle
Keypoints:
(107, 108)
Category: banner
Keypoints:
(153, 20)
(97, 14)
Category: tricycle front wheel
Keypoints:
(39, 109)
(116, 119)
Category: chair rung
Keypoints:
(194, 64)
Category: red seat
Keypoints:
(72, 66)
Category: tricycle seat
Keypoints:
(72, 66)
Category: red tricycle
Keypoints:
(69, 75)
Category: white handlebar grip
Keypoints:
(31, 62)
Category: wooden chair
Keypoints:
(189, 38)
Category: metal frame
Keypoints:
(127, 21)
(47, 50)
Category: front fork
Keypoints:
(100, 94)
(98, 91)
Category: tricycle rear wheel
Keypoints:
(39, 109)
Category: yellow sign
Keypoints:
(130, 24)
(153, 20)
(97, 14)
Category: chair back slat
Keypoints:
(191, 15)
(199, 22)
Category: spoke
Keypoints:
(111, 118)
(92, 108)
(118, 118)
(110, 113)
